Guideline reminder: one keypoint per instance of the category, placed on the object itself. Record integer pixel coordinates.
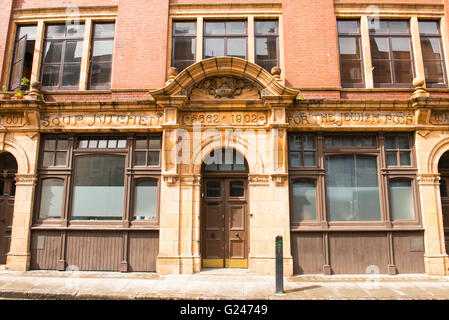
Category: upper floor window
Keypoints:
(23, 55)
(266, 33)
(101, 60)
(184, 44)
(391, 53)
(432, 53)
(63, 48)
(350, 53)
(225, 38)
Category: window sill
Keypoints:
(86, 227)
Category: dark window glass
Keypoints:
(304, 200)
(184, 44)
(353, 141)
(398, 150)
(266, 41)
(102, 53)
(22, 61)
(302, 151)
(98, 190)
(52, 197)
(432, 53)
(145, 200)
(147, 150)
(391, 53)
(62, 56)
(401, 199)
(224, 160)
(352, 188)
(350, 53)
(212, 189)
(443, 188)
(236, 188)
(55, 151)
(227, 38)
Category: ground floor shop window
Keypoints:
(100, 182)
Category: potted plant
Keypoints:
(4, 94)
(24, 84)
(19, 94)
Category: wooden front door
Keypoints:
(225, 223)
(7, 192)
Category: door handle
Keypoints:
(237, 235)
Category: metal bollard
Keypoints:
(279, 265)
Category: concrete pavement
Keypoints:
(216, 284)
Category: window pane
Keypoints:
(29, 31)
(404, 142)
(184, 28)
(380, 48)
(352, 188)
(428, 27)
(309, 159)
(51, 198)
(309, 142)
(184, 49)
(404, 158)
(50, 76)
(75, 31)
(390, 142)
(49, 158)
(235, 27)
(403, 71)
(351, 71)
(236, 188)
(83, 143)
(381, 71)
(102, 143)
(145, 200)
(400, 48)
(266, 48)
(376, 26)
(140, 159)
(392, 158)
(398, 26)
(431, 48)
(61, 158)
(349, 47)
(73, 51)
(104, 30)
(56, 31)
(71, 75)
(98, 187)
(153, 158)
(212, 189)
(347, 26)
(50, 143)
(213, 48)
(237, 48)
(295, 142)
(53, 52)
(141, 142)
(295, 159)
(304, 200)
(100, 74)
(155, 142)
(401, 200)
(63, 144)
(434, 71)
(214, 28)
(102, 50)
(266, 27)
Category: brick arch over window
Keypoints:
(224, 66)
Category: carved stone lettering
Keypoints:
(102, 119)
(246, 118)
(338, 119)
(439, 118)
(12, 120)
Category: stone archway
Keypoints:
(443, 170)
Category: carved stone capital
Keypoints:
(26, 179)
(279, 178)
(428, 179)
(171, 179)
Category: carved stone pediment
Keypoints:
(224, 87)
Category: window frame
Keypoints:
(105, 86)
(267, 35)
(362, 65)
(384, 174)
(190, 36)
(62, 62)
(131, 174)
(225, 36)
(389, 36)
(415, 199)
(442, 57)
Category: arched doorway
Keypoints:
(224, 210)
(8, 170)
(443, 169)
